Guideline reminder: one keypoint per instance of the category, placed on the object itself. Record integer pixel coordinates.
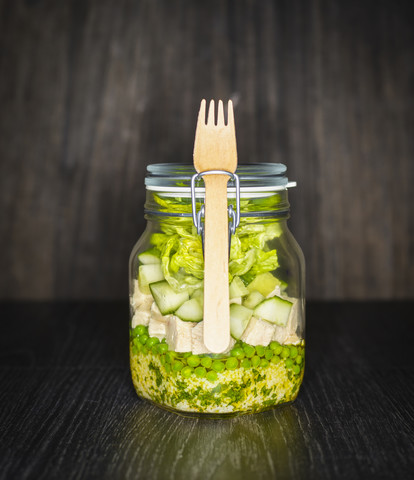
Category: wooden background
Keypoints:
(91, 91)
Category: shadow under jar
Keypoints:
(264, 363)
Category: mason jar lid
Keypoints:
(255, 179)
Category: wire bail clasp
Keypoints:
(233, 214)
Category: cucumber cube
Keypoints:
(253, 299)
(239, 319)
(264, 283)
(166, 298)
(149, 257)
(199, 295)
(275, 310)
(237, 288)
(149, 274)
(191, 310)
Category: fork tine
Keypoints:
(210, 119)
(220, 116)
(202, 114)
(230, 115)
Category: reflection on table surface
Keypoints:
(171, 446)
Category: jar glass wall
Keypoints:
(264, 363)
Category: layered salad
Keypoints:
(263, 364)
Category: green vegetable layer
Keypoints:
(248, 379)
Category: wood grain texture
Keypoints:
(91, 92)
(68, 408)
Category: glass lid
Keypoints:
(254, 177)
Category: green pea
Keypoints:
(289, 362)
(152, 341)
(169, 357)
(206, 362)
(187, 354)
(237, 352)
(255, 361)
(268, 353)
(168, 368)
(218, 366)
(141, 330)
(264, 363)
(246, 363)
(200, 372)
(154, 350)
(249, 350)
(296, 369)
(144, 349)
(273, 345)
(136, 341)
(293, 352)
(177, 366)
(135, 331)
(162, 359)
(275, 359)
(143, 338)
(211, 376)
(134, 350)
(138, 346)
(299, 359)
(187, 371)
(162, 348)
(193, 361)
(260, 350)
(232, 363)
(285, 352)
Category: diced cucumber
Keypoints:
(237, 288)
(264, 283)
(253, 299)
(149, 257)
(199, 295)
(149, 274)
(275, 310)
(236, 300)
(191, 310)
(167, 299)
(239, 318)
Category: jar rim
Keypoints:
(254, 177)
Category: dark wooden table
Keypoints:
(68, 409)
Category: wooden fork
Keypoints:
(215, 149)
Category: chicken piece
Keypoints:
(157, 315)
(197, 344)
(139, 299)
(158, 328)
(258, 332)
(179, 334)
(292, 339)
(141, 317)
(280, 334)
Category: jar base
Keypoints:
(215, 416)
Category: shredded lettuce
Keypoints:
(182, 255)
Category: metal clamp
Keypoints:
(233, 214)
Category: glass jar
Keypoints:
(264, 363)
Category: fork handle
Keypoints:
(216, 265)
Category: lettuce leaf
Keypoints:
(182, 255)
